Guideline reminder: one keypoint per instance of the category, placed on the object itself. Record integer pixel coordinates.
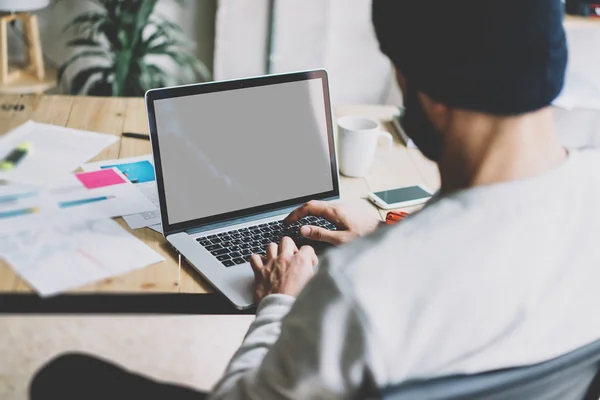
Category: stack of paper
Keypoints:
(55, 226)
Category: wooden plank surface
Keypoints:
(398, 167)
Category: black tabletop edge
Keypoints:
(176, 303)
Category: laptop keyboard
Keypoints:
(236, 246)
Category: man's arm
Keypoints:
(319, 349)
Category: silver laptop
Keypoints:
(232, 159)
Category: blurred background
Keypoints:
(164, 42)
(124, 47)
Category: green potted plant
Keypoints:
(115, 47)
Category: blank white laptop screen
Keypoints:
(232, 150)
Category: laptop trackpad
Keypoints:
(236, 282)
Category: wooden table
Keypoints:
(398, 167)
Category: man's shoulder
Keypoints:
(454, 232)
(408, 243)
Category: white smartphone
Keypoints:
(401, 197)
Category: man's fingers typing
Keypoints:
(314, 208)
(322, 235)
(309, 253)
(287, 246)
(257, 264)
(271, 251)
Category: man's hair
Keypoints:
(502, 57)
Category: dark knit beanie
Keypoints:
(502, 57)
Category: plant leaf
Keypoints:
(144, 13)
(100, 3)
(122, 64)
(83, 76)
(136, 87)
(162, 21)
(75, 57)
(123, 38)
(156, 77)
(158, 34)
(132, 35)
(110, 29)
(83, 19)
(160, 48)
(83, 42)
(99, 87)
(145, 76)
(186, 60)
(168, 45)
(122, 24)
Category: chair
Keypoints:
(575, 375)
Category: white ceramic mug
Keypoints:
(357, 144)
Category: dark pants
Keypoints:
(77, 376)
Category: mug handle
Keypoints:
(388, 139)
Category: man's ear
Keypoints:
(438, 113)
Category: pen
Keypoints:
(15, 156)
(136, 135)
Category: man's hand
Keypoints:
(284, 270)
(349, 226)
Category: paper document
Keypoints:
(148, 218)
(19, 204)
(61, 257)
(140, 171)
(75, 196)
(111, 200)
(53, 151)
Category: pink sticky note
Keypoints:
(98, 179)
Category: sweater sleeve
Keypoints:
(317, 349)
